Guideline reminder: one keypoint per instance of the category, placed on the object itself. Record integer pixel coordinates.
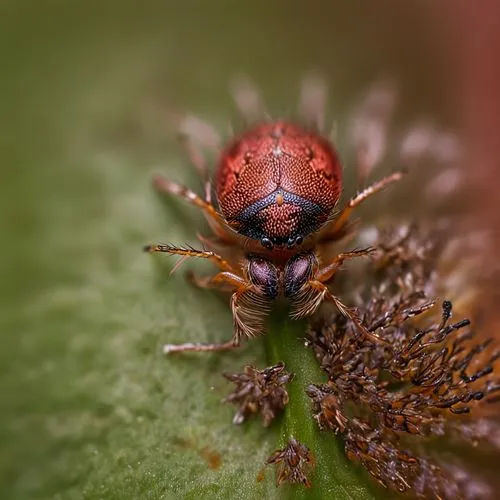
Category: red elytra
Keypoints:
(277, 183)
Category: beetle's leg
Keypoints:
(216, 222)
(200, 347)
(306, 287)
(336, 226)
(191, 252)
(312, 102)
(227, 275)
(246, 319)
(362, 196)
(247, 305)
(221, 280)
(326, 273)
(166, 186)
(197, 135)
(200, 131)
(248, 100)
(200, 163)
(210, 347)
(348, 312)
(369, 126)
(311, 296)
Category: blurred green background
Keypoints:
(89, 406)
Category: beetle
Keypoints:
(274, 219)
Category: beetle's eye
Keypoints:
(298, 271)
(266, 243)
(295, 241)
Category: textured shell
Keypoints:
(278, 182)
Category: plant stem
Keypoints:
(334, 476)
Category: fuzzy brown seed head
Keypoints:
(295, 462)
(259, 392)
(426, 380)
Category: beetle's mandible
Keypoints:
(277, 186)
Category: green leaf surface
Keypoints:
(90, 407)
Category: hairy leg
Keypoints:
(248, 100)
(166, 186)
(197, 135)
(349, 312)
(200, 347)
(327, 272)
(221, 281)
(200, 131)
(335, 228)
(312, 103)
(313, 290)
(191, 252)
(369, 126)
(246, 320)
(200, 163)
(248, 306)
(216, 222)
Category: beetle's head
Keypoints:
(281, 219)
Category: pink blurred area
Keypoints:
(475, 43)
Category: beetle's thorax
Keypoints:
(277, 183)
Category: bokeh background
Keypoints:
(89, 407)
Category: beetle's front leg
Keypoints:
(326, 273)
(250, 301)
(222, 264)
(223, 279)
(314, 293)
(201, 347)
(226, 276)
(349, 312)
(336, 228)
(247, 319)
(306, 288)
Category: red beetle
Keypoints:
(277, 186)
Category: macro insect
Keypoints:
(272, 207)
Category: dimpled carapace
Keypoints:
(278, 183)
(274, 218)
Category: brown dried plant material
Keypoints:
(260, 392)
(385, 399)
(295, 463)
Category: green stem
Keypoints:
(334, 476)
